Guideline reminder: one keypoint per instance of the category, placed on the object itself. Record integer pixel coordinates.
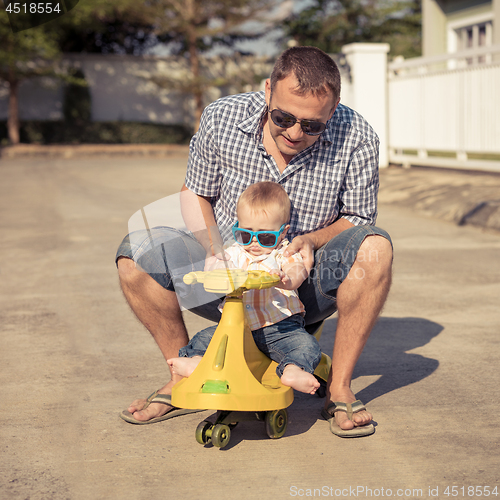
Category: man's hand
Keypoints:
(303, 245)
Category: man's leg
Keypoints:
(360, 299)
(149, 263)
(351, 275)
(158, 310)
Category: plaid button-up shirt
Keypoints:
(335, 177)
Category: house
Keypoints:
(450, 26)
(444, 106)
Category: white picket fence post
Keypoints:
(368, 88)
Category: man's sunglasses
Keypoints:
(285, 120)
(267, 239)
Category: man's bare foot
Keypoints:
(183, 366)
(358, 419)
(154, 409)
(298, 379)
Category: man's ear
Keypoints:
(334, 108)
(267, 89)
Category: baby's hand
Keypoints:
(285, 280)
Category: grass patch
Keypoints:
(484, 156)
(453, 154)
(442, 154)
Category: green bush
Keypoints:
(77, 101)
(84, 132)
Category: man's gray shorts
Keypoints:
(167, 254)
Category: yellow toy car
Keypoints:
(234, 376)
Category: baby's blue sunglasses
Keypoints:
(267, 239)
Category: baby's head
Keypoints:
(265, 207)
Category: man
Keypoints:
(325, 155)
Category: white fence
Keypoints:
(438, 111)
(445, 110)
(122, 87)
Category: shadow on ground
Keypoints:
(386, 356)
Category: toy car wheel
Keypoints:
(276, 422)
(201, 432)
(221, 434)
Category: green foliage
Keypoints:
(190, 27)
(106, 26)
(331, 24)
(131, 27)
(28, 54)
(72, 132)
(77, 102)
(197, 25)
(24, 54)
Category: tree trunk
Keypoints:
(195, 70)
(13, 119)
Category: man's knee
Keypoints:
(375, 251)
(127, 269)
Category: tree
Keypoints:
(231, 73)
(23, 55)
(191, 27)
(194, 26)
(111, 26)
(331, 24)
(188, 27)
(37, 51)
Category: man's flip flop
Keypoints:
(164, 399)
(350, 409)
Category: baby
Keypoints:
(275, 315)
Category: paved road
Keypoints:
(73, 357)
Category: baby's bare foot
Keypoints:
(183, 366)
(298, 379)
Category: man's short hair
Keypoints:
(267, 196)
(315, 71)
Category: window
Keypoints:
(474, 36)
